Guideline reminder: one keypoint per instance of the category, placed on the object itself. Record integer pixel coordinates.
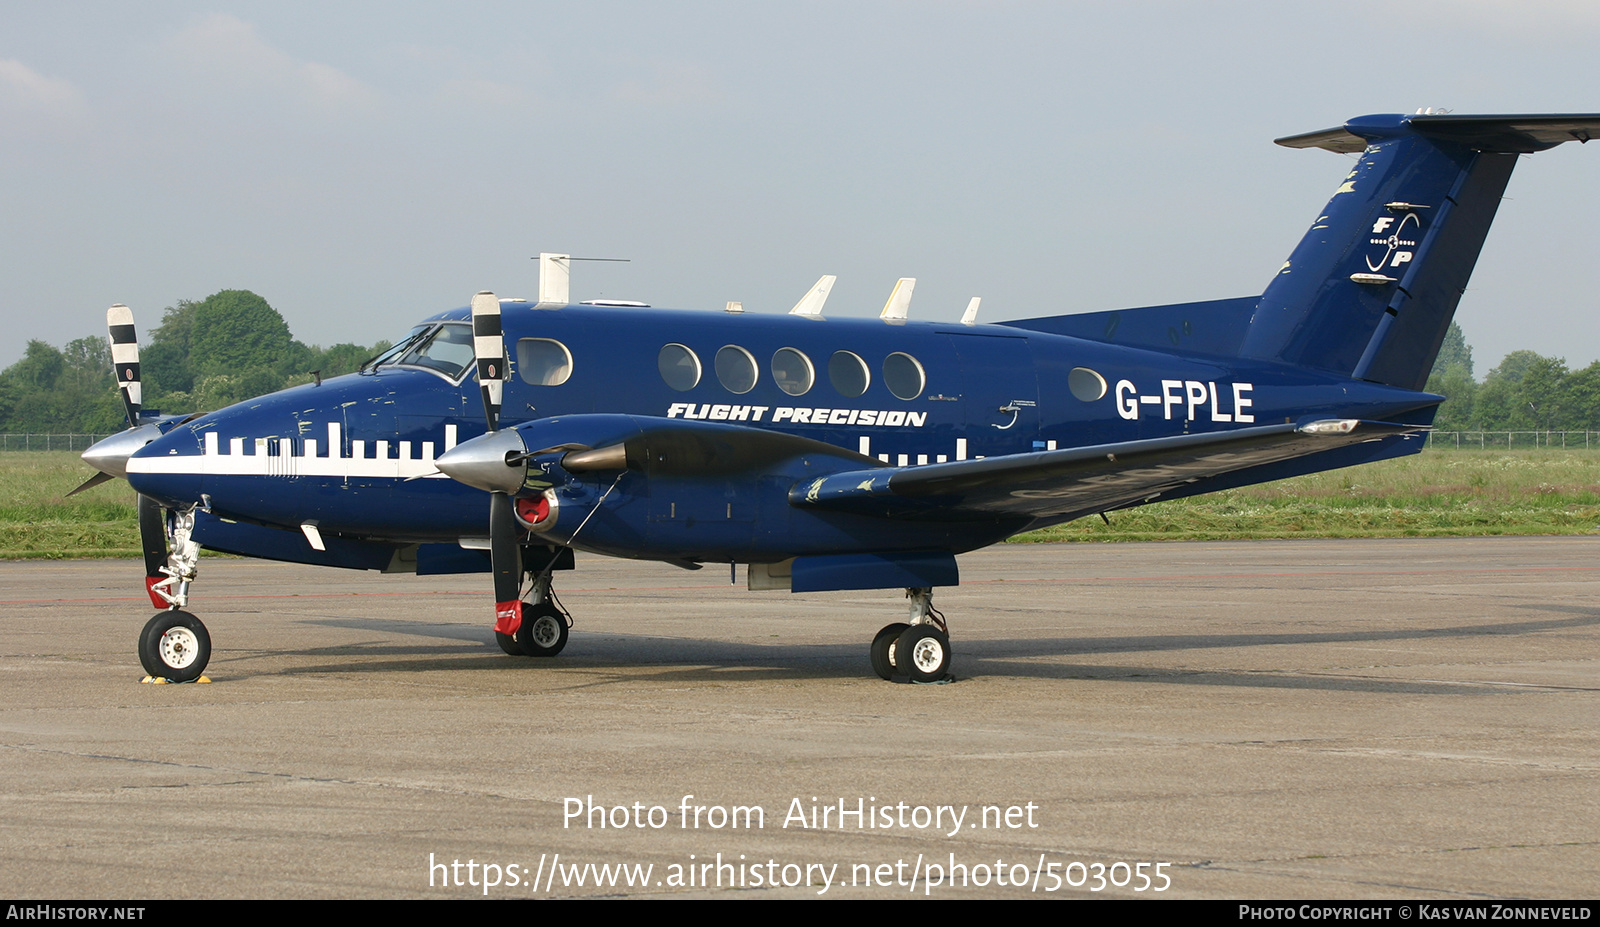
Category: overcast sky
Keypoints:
(362, 165)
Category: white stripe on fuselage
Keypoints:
(411, 460)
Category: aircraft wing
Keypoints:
(1078, 481)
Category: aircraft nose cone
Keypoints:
(481, 462)
(111, 455)
(168, 468)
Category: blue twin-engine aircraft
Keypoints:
(824, 453)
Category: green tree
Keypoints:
(1543, 393)
(1452, 378)
(164, 362)
(1454, 351)
(343, 358)
(235, 331)
(60, 391)
(1498, 404)
(1583, 398)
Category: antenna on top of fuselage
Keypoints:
(899, 300)
(970, 317)
(811, 303)
(555, 277)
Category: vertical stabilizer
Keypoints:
(1372, 287)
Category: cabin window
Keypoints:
(543, 362)
(903, 375)
(848, 373)
(679, 366)
(1086, 384)
(736, 369)
(793, 371)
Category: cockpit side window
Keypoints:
(448, 350)
(400, 347)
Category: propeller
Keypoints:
(505, 553)
(110, 456)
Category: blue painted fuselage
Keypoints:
(352, 455)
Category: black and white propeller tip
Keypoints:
(125, 359)
(489, 350)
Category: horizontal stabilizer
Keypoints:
(1080, 481)
(1505, 134)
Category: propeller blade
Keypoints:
(505, 552)
(125, 359)
(92, 482)
(153, 538)
(505, 557)
(489, 349)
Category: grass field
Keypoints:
(1436, 493)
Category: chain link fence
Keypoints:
(27, 442)
(1486, 440)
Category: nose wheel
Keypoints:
(175, 645)
(544, 630)
(544, 626)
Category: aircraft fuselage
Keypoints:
(354, 454)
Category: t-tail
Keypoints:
(1372, 287)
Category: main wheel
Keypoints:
(883, 649)
(544, 630)
(174, 644)
(508, 643)
(923, 653)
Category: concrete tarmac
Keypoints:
(1301, 719)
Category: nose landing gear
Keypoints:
(174, 645)
(545, 624)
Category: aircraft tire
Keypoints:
(175, 645)
(543, 632)
(883, 649)
(923, 654)
(508, 643)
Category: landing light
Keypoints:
(1341, 426)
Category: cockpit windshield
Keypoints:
(446, 348)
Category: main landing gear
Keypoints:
(174, 645)
(918, 651)
(545, 624)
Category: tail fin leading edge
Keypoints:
(1371, 289)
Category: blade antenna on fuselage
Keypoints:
(811, 304)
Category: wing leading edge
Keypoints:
(1080, 481)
